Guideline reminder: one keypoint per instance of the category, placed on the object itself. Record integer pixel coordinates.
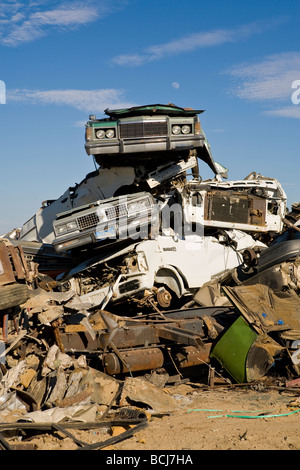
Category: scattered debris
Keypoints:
(138, 390)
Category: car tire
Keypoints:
(13, 295)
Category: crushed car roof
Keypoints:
(166, 109)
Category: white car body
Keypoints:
(181, 265)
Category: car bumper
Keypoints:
(143, 145)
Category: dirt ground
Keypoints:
(202, 423)
(217, 418)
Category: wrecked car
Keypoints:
(106, 183)
(143, 129)
(106, 221)
(188, 251)
(161, 270)
(256, 204)
(102, 184)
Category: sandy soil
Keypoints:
(218, 418)
(214, 430)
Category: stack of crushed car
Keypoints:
(144, 267)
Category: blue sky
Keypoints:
(63, 60)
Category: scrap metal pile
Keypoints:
(143, 268)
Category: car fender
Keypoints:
(170, 277)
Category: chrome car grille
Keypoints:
(92, 220)
(143, 129)
(88, 221)
(112, 212)
(116, 211)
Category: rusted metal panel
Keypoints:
(16, 262)
(235, 208)
(13, 266)
(257, 211)
(226, 207)
(78, 342)
(140, 335)
(6, 270)
(189, 356)
(179, 335)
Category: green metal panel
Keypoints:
(100, 124)
(232, 349)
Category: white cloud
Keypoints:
(289, 112)
(26, 21)
(267, 80)
(178, 46)
(89, 101)
(175, 85)
(65, 16)
(190, 43)
(198, 40)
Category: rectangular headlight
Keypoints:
(71, 225)
(64, 228)
(138, 206)
(59, 229)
